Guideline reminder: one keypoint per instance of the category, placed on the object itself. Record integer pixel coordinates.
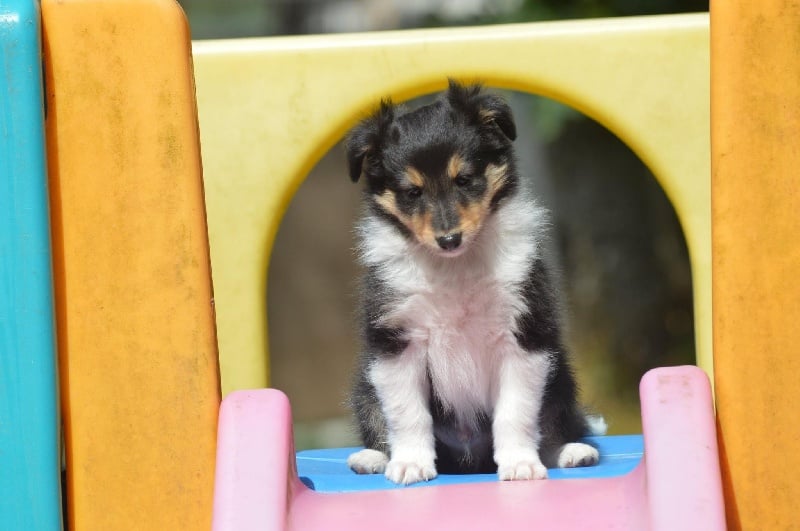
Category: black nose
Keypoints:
(448, 242)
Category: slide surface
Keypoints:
(676, 485)
(326, 470)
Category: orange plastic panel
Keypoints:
(134, 301)
(756, 257)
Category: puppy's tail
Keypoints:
(596, 425)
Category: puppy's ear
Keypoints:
(495, 111)
(366, 138)
(482, 108)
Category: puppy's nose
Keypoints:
(448, 242)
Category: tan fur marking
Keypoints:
(472, 217)
(388, 202)
(486, 115)
(414, 176)
(454, 166)
(496, 177)
(419, 225)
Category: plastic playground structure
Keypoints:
(112, 228)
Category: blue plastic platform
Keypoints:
(327, 471)
(30, 470)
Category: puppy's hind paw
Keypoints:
(406, 473)
(577, 454)
(368, 461)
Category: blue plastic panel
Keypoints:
(30, 493)
(327, 471)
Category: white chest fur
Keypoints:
(459, 313)
(464, 328)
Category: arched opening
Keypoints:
(616, 243)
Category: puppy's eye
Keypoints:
(462, 181)
(413, 193)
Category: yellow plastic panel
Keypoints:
(270, 107)
(139, 373)
(756, 257)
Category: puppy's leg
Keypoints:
(401, 383)
(522, 378)
(372, 425)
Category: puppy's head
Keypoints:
(439, 171)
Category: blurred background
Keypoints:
(617, 247)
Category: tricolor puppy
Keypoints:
(463, 368)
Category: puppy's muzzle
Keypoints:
(449, 242)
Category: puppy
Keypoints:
(463, 369)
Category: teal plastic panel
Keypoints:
(30, 479)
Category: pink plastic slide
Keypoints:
(675, 486)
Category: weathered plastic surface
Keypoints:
(133, 288)
(755, 49)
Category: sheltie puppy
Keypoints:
(463, 368)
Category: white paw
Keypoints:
(577, 454)
(367, 461)
(407, 472)
(522, 470)
(519, 464)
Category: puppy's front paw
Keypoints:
(407, 472)
(519, 464)
(368, 461)
(577, 454)
(522, 470)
